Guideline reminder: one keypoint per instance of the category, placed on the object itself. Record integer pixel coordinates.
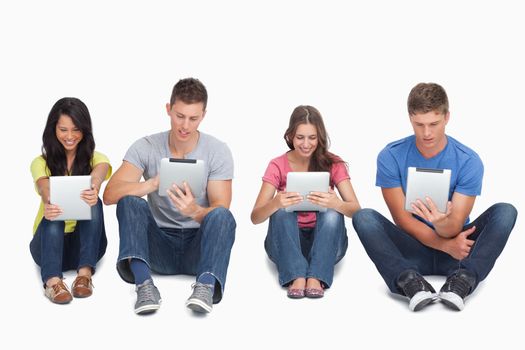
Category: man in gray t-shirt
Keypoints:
(178, 233)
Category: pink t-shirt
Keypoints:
(276, 175)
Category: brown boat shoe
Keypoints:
(58, 293)
(82, 287)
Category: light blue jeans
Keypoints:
(306, 252)
(170, 251)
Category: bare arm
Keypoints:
(347, 206)
(458, 247)
(268, 202)
(126, 182)
(98, 175)
(447, 224)
(42, 185)
(50, 210)
(395, 200)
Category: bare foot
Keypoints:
(298, 283)
(314, 283)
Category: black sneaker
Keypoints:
(417, 289)
(456, 289)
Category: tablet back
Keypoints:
(304, 183)
(433, 183)
(174, 170)
(65, 192)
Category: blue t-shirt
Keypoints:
(465, 165)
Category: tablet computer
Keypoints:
(64, 191)
(424, 182)
(305, 182)
(175, 170)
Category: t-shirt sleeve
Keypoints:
(221, 164)
(387, 175)
(339, 173)
(102, 158)
(137, 154)
(273, 174)
(470, 177)
(39, 168)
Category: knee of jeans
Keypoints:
(505, 212)
(53, 228)
(281, 214)
(223, 214)
(364, 218)
(128, 202)
(332, 218)
(364, 215)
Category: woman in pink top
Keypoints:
(305, 246)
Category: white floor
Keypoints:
(355, 61)
(256, 313)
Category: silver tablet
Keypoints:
(174, 170)
(65, 192)
(304, 183)
(433, 183)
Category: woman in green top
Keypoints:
(68, 149)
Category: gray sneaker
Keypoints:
(148, 298)
(201, 300)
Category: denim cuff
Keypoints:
(124, 270)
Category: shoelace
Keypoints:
(201, 291)
(457, 285)
(83, 281)
(60, 288)
(147, 293)
(414, 286)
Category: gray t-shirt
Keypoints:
(146, 154)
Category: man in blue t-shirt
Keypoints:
(425, 241)
(175, 233)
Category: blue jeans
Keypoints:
(55, 251)
(169, 251)
(306, 252)
(393, 250)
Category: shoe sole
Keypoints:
(452, 300)
(314, 296)
(420, 300)
(198, 306)
(296, 296)
(78, 295)
(61, 302)
(148, 309)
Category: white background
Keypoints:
(355, 61)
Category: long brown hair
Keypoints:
(321, 160)
(53, 151)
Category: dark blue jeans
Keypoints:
(174, 251)
(55, 251)
(307, 252)
(393, 250)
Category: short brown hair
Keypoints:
(189, 90)
(427, 97)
